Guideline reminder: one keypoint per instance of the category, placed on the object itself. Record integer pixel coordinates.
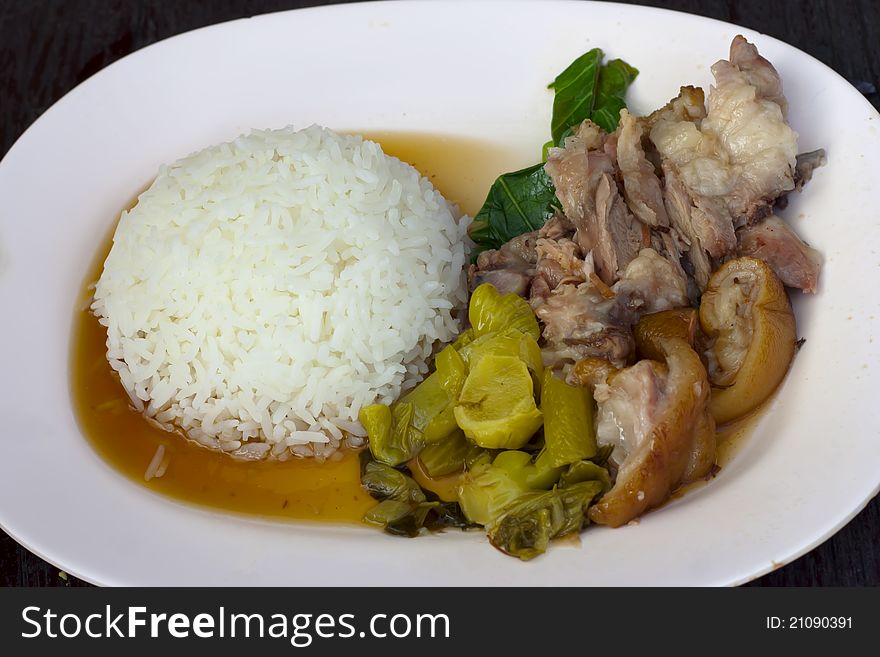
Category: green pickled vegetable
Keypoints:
(529, 475)
(484, 492)
(451, 371)
(490, 486)
(387, 511)
(384, 482)
(446, 457)
(530, 522)
(403, 507)
(510, 342)
(489, 312)
(477, 456)
(496, 408)
(585, 471)
(464, 338)
(446, 515)
(569, 434)
(428, 400)
(425, 414)
(386, 445)
(441, 426)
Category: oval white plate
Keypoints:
(469, 69)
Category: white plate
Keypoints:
(468, 69)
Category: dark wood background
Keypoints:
(49, 46)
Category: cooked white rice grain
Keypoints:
(262, 291)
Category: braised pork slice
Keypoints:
(773, 241)
(656, 418)
(559, 262)
(590, 319)
(746, 114)
(727, 168)
(510, 268)
(583, 173)
(641, 185)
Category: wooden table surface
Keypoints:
(49, 46)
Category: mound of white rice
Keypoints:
(264, 290)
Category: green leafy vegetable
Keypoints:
(575, 95)
(490, 486)
(586, 90)
(404, 508)
(585, 471)
(517, 203)
(614, 79)
(384, 482)
(568, 422)
(446, 457)
(530, 522)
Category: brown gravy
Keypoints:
(463, 170)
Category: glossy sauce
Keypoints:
(463, 171)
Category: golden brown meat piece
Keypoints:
(746, 314)
(657, 418)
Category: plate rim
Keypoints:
(78, 89)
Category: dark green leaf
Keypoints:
(576, 89)
(517, 203)
(614, 79)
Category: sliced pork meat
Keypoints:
(656, 418)
(746, 118)
(556, 228)
(560, 262)
(773, 241)
(583, 173)
(759, 73)
(651, 283)
(576, 169)
(641, 185)
(614, 235)
(692, 227)
(510, 268)
(591, 319)
(727, 168)
(689, 105)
